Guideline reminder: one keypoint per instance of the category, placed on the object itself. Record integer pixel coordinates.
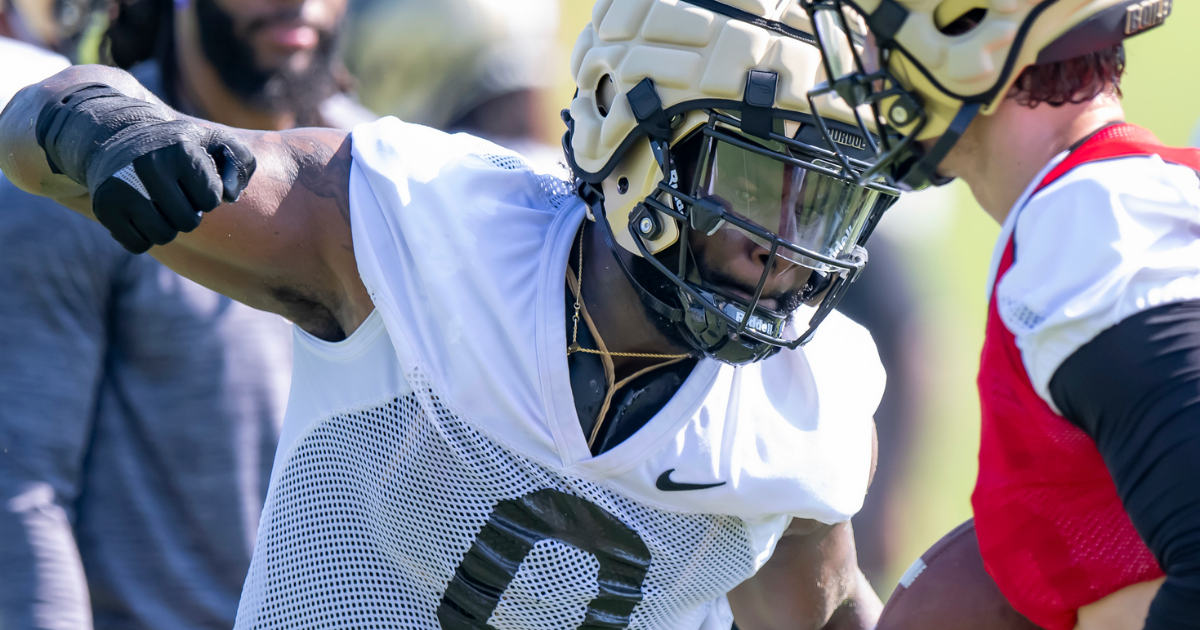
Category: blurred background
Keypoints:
(512, 57)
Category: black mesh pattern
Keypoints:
(555, 191)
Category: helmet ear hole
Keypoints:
(606, 93)
(962, 24)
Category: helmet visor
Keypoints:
(808, 211)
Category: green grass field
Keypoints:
(949, 261)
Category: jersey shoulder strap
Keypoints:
(1121, 141)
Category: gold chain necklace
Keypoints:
(575, 347)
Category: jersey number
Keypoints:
(510, 534)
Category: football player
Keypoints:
(1086, 496)
(519, 403)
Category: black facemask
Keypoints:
(278, 90)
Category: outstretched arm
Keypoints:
(283, 246)
(811, 582)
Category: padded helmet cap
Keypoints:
(696, 55)
(956, 52)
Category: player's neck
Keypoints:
(617, 311)
(201, 87)
(1000, 154)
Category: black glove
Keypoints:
(150, 175)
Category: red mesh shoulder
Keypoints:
(1121, 141)
(1052, 531)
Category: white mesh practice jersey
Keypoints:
(432, 472)
(1105, 242)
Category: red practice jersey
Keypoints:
(1052, 530)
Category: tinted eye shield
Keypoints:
(811, 197)
(834, 224)
(816, 217)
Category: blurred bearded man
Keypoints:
(139, 411)
(262, 64)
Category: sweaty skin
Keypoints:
(285, 246)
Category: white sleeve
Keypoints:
(1109, 240)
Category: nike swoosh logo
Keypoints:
(665, 484)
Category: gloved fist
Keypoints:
(168, 190)
(150, 175)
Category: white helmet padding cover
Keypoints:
(693, 55)
(654, 73)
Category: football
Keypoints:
(947, 588)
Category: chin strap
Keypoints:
(576, 285)
(595, 201)
(648, 110)
(924, 172)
